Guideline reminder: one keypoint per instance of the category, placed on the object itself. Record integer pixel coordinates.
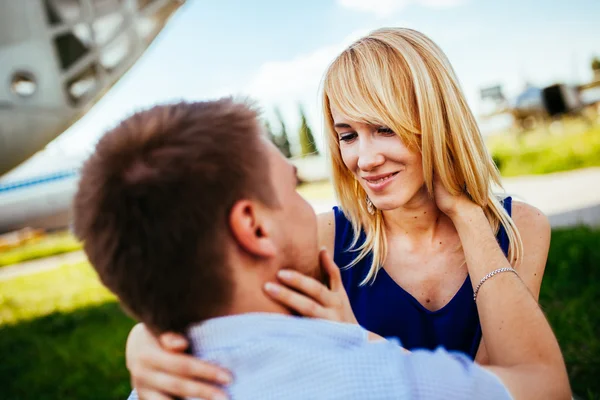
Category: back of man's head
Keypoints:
(153, 203)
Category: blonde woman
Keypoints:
(398, 131)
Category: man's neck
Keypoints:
(249, 296)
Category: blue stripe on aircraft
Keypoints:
(38, 180)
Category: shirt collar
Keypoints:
(235, 330)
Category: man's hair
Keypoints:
(153, 207)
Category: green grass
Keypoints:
(62, 335)
(64, 289)
(52, 244)
(570, 296)
(77, 355)
(541, 152)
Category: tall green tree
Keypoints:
(307, 141)
(282, 141)
(270, 134)
(596, 64)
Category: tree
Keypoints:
(275, 139)
(596, 64)
(307, 141)
(269, 131)
(281, 141)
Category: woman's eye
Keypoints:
(347, 137)
(386, 131)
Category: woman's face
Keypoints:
(390, 173)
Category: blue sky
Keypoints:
(277, 51)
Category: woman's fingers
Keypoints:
(157, 372)
(306, 285)
(184, 366)
(295, 301)
(149, 395)
(173, 342)
(156, 384)
(332, 270)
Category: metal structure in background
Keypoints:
(535, 105)
(58, 57)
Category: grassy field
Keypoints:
(542, 152)
(48, 245)
(62, 336)
(569, 297)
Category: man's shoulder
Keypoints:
(269, 329)
(290, 366)
(368, 371)
(293, 358)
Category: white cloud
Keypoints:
(440, 3)
(386, 8)
(286, 84)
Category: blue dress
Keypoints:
(385, 308)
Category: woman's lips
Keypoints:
(379, 182)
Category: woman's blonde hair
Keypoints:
(399, 78)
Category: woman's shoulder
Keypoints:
(532, 224)
(529, 218)
(534, 228)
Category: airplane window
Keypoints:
(63, 11)
(70, 49)
(51, 14)
(83, 84)
(23, 84)
(107, 27)
(116, 52)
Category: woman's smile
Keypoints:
(379, 182)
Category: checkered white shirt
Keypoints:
(280, 357)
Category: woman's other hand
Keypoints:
(448, 203)
(310, 297)
(160, 373)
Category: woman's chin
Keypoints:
(395, 201)
(388, 206)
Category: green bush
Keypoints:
(541, 152)
(62, 336)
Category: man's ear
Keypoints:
(249, 228)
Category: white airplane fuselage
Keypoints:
(43, 201)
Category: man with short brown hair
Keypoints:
(154, 204)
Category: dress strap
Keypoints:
(502, 235)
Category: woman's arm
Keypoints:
(522, 348)
(534, 228)
(160, 371)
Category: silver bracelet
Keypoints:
(488, 276)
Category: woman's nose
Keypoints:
(369, 157)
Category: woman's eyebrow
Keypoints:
(341, 125)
